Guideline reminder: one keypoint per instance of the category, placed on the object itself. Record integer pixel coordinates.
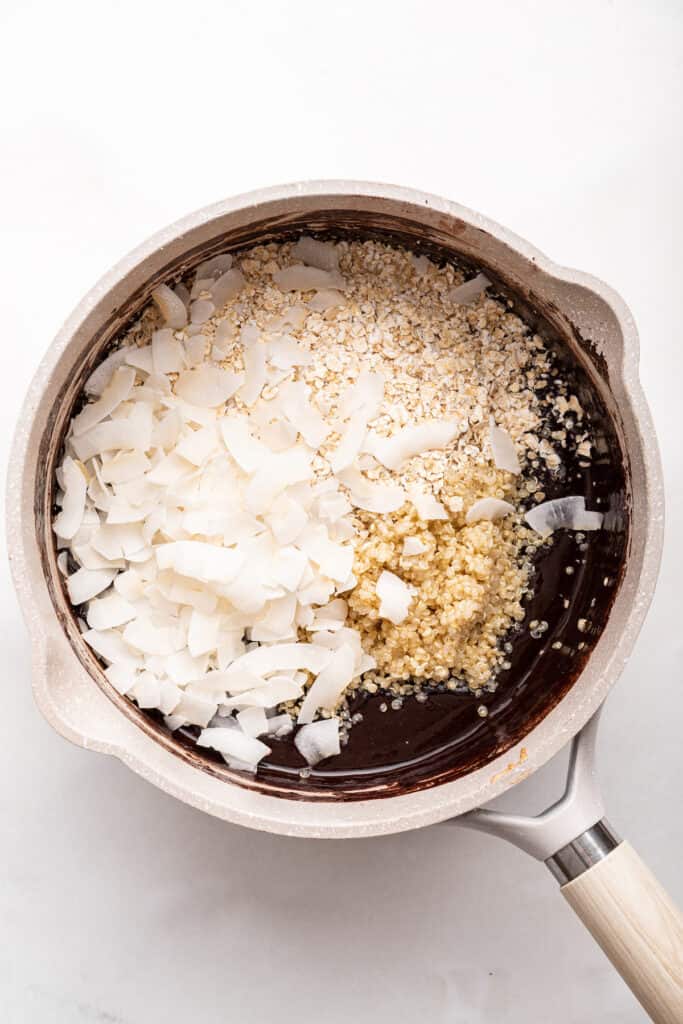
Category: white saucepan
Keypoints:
(601, 877)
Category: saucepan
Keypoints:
(530, 718)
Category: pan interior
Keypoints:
(424, 744)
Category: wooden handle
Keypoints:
(637, 925)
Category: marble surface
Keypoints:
(120, 906)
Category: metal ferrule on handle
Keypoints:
(584, 852)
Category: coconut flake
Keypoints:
(305, 279)
(329, 685)
(428, 508)
(280, 725)
(568, 513)
(213, 267)
(276, 622)
(488, 508)
(156, 386)
(102, 374)
(218, 683)
(295, 402)
(247, 594)
(182, 668)
(421, 263)
(201, 287)
(281, 470)
(247, 452)
(110, 645)
(371, 496)
(207, 385)
(171, 307)
(466, 293)
(122, 677)
(254, 356)
(199, 560)
(234, 744)
(227, 287)
(324, 299)
(166, 429)
(292, 317)
(314, 253)
(116, 391)
(148, 638)
(277, 690)
(196, 708)
(224, 335)
(197, 446)
(147, 690)
(87, 583)
(170, 696)
(331, 615)
(69, 520)
(124, 467)
(333, 506)
(109, 436)
(414, 546)
(121, 511)
(202, 633)
(130, 585)
(350, 444)
(133, 432)
(140, 358)
(393, 451)
(278, 435)
(108, 612)
(253, 721)
(87, 557)
(319, 740)
(286, 518)
(181, 591)
(281, 657)
(195, 348)
(287, 567)
(285, 353)
(168, 354)
(169, 470)
(366, 395)
(335, 560)
(318, 591)
(173, 722)
(394, 597)
(503, 448)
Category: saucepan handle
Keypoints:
(637, 925)
(604, 880)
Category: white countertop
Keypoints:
(119, 905)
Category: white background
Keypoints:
(562, 121)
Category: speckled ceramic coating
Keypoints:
(64, 688)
